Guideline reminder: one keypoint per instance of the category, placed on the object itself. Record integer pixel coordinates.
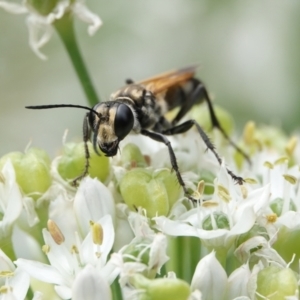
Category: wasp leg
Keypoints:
(86, 138)
(200, 92)
(185, 127)
(162, 139)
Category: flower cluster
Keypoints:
(135, 235)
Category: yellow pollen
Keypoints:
(200, 187)
(281, 160)
(268, 165)
(244, 192)
(249, 131)
(74, 250)
(46, 249)
(4, 289)
(223, 193)
(55, 232)
(291, 179)
(210, 203)
(6, 274)
(97, 233)
(291, 145)
(2, 178)
(272, 218)
(250, 180)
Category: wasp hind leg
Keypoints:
(162, 139)
(199, 92)
(184, 127)
(86, 138)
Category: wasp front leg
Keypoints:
(86, 138)
(162, 139)
(184, 127)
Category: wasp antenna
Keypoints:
(59, 106)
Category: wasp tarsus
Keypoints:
(140, 107)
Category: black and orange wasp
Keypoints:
(140, 108)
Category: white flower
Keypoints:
(39, 25)
(66, 264)
(14, 282)
(145, 254)
(240, 212)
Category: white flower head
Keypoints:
(228, 204)
(14, 281)
(66, 264)
(39, 24)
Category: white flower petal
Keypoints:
(59, 256)
(13, 8)
(290, 219)
(174, 228)
(5, 263)
(20, 284)
(238, 281)
(40, 271)
(40, 33)
(29, 206)
(89, 284)
(93, 200)
(10, 198)
(84, 14)
(64, 292)
(210, 278)
(158, 256)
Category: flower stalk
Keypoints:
(65, 29)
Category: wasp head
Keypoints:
(111, 124)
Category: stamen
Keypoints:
(55, 232)
(291, 145)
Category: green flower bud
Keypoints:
(276, 282)
(201, 115)
(132, 157)
(32, 171)
(171, 184)
(277, 205)
(161, 288)
(287, 245)
(156, 192)
(72, 162)
(43, 7)
(220, 219)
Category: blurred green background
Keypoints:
(248, 53)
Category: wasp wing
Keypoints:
(165, 81)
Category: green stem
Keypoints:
(221, 254)
(65, 29)
(116, 290)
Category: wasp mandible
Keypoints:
(140, 108)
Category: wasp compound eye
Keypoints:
(123, 121)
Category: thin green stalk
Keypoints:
(65, 29)
(116, 290)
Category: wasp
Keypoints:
(140, 108)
